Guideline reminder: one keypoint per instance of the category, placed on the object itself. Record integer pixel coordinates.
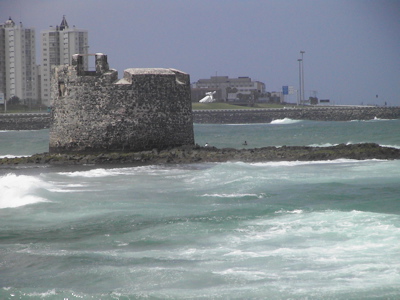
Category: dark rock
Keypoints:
(196, 154)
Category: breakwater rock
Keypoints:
(25, 121)
(197, 154)
(236, 116)
(315, 113)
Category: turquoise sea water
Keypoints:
(272, 230)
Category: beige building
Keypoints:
(228, 89)
(58, 45)
(18, 63)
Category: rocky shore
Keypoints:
(197, 154)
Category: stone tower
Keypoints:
(93, 111)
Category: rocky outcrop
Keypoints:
(197, 154)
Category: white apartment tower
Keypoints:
(58, 46)
(18, 62)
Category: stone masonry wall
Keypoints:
(96, 112)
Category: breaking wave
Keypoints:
(19, 190)
(285, 121)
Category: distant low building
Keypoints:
(276, 97)
(227, 89)
(325, 101)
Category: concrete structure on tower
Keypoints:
(17, 63)
(59, 44)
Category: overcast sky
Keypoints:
(352, 47)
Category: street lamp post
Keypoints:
(300, 96)
(302, 73)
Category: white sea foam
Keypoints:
(353, 230)
(141, 170)
(91, 173)
(235, 195)
(19, 190)
(388, 146)
(243, 272)
(45, 294)
(285, 121)
(113, 172)
(348, 143)
(98, 172)
(372, 120)
(322, 145)
(296, 211)
(63, 190)
(391, 146)
(379, 119)
(12, 156)
(64, 187)
(300, 163)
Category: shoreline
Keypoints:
(195, 154)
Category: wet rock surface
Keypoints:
(196, 154)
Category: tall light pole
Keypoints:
(300, 96)
(302, 73)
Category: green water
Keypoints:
(272, 230)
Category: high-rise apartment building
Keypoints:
(18, 62)
(58, 46)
